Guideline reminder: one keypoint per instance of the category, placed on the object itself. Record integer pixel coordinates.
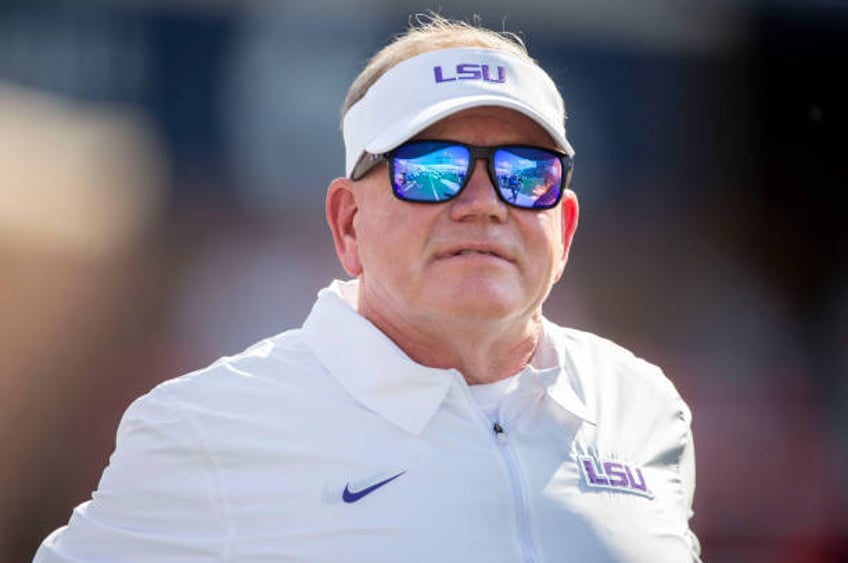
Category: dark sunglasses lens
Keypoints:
(529, 177)
(429, 171)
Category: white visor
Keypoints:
(420, 91)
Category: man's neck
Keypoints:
(483, 352)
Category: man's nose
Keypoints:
(478, 198)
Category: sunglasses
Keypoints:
(436, 171)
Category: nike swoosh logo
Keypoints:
(352, 496)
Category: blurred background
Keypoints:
(162, 173)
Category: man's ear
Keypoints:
(341, 208)
(570, 210)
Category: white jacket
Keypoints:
(329, 444)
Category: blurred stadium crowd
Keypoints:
(162, 173)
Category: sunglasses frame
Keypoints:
(369, 161)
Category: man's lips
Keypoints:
(473, 249)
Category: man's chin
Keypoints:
(483, 301)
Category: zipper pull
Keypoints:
(499, 433)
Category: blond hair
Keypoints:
(431, 32)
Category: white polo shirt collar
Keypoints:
(380, 376)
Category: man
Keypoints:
(426, 410)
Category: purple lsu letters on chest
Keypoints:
(614, 475)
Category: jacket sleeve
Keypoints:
(158, 499)
(687, 477)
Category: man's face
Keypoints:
(466, 260)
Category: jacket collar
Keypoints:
(559, 375)
(380, 376)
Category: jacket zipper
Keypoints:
(519, 493)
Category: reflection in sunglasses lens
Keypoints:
(435, 171)
(528, 177)
(429, 171)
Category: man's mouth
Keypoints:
(485, 252)
(473, 251)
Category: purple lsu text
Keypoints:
(468, 71)
(609, 474)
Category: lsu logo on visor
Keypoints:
(468, 71)
(613, 475)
